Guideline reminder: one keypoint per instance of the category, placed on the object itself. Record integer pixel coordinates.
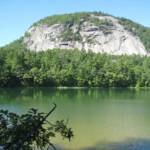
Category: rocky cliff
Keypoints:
(88, 31)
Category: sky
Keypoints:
(16, 16)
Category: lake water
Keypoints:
(116, 119)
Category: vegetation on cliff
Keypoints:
(142, 32)
(77, 18)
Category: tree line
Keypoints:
(21, 67)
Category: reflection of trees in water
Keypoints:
(72, 93)
(75, 104)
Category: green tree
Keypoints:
(30, 130)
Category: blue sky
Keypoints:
(17, 15)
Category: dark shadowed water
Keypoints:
(113, 119)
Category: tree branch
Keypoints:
(30, 133)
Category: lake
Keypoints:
(116, 119)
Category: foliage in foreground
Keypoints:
(30, 130)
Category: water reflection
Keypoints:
(129, 144)
(109, 115)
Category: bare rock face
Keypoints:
(104, 35)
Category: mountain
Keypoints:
(94, 31)
(45, 55)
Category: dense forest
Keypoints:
(21, 67)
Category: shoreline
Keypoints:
(75, 87)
